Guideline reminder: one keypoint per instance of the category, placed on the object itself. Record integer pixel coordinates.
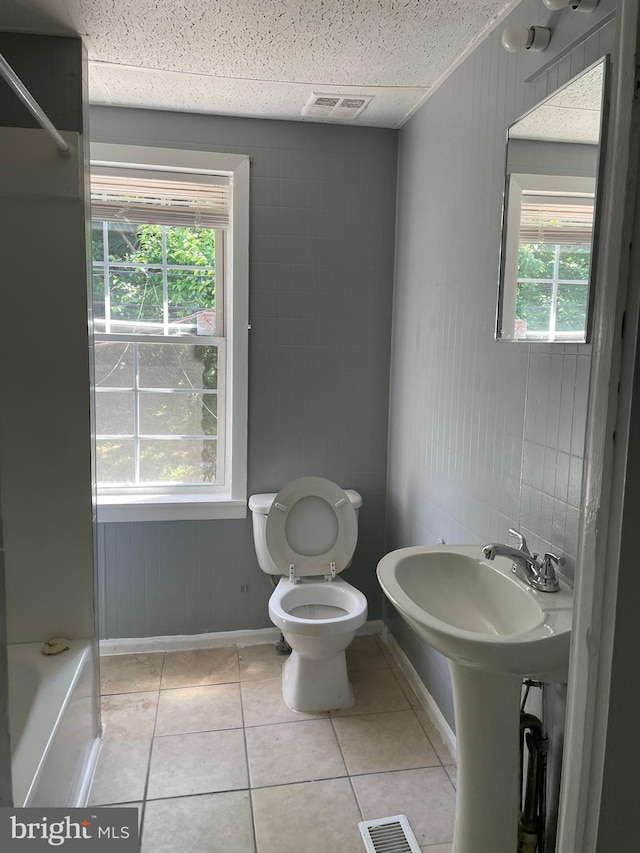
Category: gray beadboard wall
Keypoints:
(483, 435)
(321, 251)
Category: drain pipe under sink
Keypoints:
(531, 823)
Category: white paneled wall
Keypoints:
(553, 446)
(484, 435)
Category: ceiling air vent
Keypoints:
(335, 106)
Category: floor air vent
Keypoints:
(388, 835)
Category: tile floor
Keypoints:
(203, 744)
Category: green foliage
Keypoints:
(534, 298)
(137, 292)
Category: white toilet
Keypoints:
(307, 532)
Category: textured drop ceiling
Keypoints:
(263, 57)
(571, 115)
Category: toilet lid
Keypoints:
(310, 525)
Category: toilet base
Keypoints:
(312, 686)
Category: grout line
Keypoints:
(246, 756)
(194, 686)
(399, 678)
(146, 781)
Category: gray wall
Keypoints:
(533, 157)
(321, 253)
(46, 523)
(45, 445)
(483, 435)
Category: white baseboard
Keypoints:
(180, 642)
(145, 645)
(426, 699)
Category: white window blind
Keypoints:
(160, 201)
(557, 221)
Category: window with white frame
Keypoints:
(170, 320)
(549, 255)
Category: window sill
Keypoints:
(189, 507)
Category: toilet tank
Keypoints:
(260, 506)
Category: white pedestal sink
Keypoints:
(494, 630)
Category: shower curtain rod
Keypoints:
(7, 72)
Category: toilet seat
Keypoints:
(292, 606)
(312, 526)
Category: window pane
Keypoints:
(114, 364)
(574, 262)
(178, 461)
(178, 414)
(114, 413)
(533, 305)
(135, 244)
(97, 241)
(571, 311)
(190, 246)
(115, 461)
(136, 295)
(177, 366)
(536, 260)
(98, 295)
(189, 292)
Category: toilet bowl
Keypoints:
(307, 533)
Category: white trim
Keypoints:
(237, 314)
(231, 502)
(179, 642)
(170, 507)
(592, 637)
(181, 160)
(426, 699)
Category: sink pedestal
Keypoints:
(487, 712)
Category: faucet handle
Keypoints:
(550, 559)
(522, 542)
(547, 577)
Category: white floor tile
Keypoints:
(217, 823)
(293, 752)
(197, 763)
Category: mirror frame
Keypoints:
(605, 61)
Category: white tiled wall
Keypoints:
(484, 435)
(553, 446)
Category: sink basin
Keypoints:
(494, 629)
(477, 612)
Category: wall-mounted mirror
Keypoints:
(550, 215)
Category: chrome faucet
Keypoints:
(538, 573)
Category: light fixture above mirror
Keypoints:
(550, 215)
(516, 37)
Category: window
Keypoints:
(170, 331)
(551, 253)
